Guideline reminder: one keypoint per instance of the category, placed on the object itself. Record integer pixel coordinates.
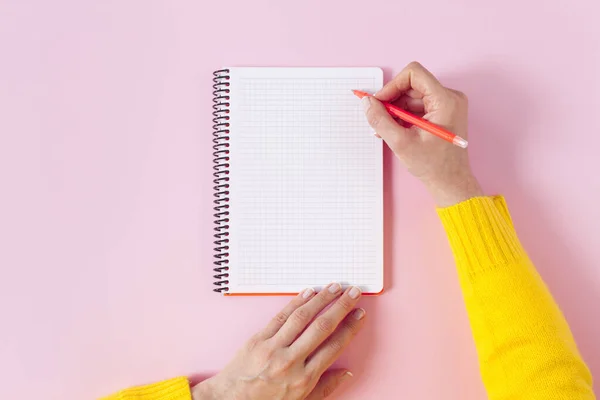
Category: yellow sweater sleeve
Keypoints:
(525, 347)
(173, 389)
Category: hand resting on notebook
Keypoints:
(290, 357)
(444, 169)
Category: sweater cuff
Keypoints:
(172, 389)
(481, 234)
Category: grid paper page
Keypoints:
(306, 181)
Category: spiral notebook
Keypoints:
(298, 181)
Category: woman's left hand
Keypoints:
(290, 357)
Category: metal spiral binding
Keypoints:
(221, 175)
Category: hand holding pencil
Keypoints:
(419, 122)
(433, 112)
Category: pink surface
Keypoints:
(105, 172)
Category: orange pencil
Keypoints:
(420, 122)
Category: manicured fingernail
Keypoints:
(366, 102)
(358, 314)
(307, 293)
(354, 293)
(334, 287)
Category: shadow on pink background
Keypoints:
(105, 177)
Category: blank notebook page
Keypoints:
(306, 187)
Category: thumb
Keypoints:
(395, 135)
(329, 382)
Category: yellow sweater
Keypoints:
(525, 347)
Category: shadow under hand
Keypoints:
(356, 357)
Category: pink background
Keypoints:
(105, 173)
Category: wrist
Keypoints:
(462, 188)
(203, 391)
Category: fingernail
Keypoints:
(376, 135)
(354, 293)
(347, 375)
(334, 287)
(358, 314)
(366, 102)
(307, 293)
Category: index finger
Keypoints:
(413, 76)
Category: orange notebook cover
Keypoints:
(298, 181)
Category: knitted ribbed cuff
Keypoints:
(172, 389)
(481, 234)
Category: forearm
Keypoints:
(525, 347)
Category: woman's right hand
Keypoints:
(441, 166)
